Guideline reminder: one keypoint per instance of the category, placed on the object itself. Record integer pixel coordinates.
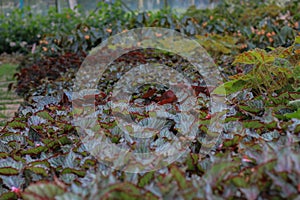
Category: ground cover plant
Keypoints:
(257, 156)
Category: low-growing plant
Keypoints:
(257, 156)
(272, 71)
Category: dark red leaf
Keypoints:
(150, 93)
(167, 97)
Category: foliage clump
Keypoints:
(271, 71)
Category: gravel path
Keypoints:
(9, 101)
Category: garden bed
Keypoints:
(43, 155)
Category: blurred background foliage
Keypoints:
(254, 23)
(41, 7)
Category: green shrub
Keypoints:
(271, 25)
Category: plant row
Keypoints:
(256, 24)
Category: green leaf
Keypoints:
(235, 85)
(297, 129)
(218, 44)
(281, 99)
(192, 161)
(232, 142)
(249, 108)
(254, 57)
(295, 115)
(179, 177)
(8, 196)
(45, 115)
(16, 124)
(3, 154)
(40, 162)
(245, 58)
(144, 180)
(230, 87)
(253, 124)
(38, 170)
(239, 181)
(73, 171)
(8, 171)
(230, 119)
(271, 125)
(297, 40)
(63, 140)
(34, 151)
(220, 90)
